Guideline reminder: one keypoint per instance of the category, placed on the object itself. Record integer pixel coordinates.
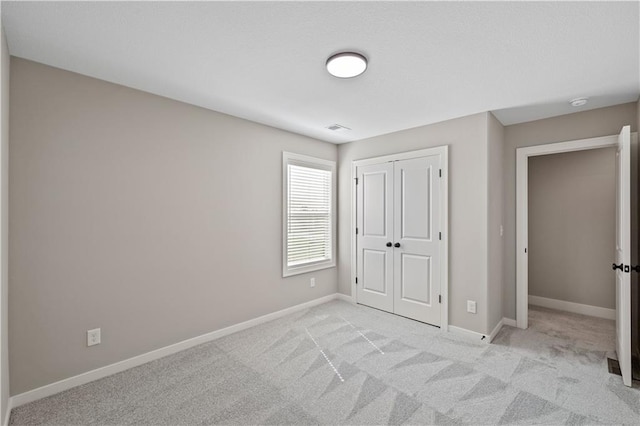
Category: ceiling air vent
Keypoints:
(338, 128)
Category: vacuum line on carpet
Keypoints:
(363, 336)
(324, 355)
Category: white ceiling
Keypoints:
(265, 61)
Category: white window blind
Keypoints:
(309, 211)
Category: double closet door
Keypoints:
(398, 250)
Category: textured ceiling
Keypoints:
(264, 61)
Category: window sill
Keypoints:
(289, 272)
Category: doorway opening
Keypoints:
(572, 232)
(559, 200)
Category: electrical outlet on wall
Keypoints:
(471, 306)
(313, 282)
(93, 337)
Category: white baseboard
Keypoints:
(504, 321)
(496, 330)
(576, 308)
(7, 414)
(468, 333)
(344, 297)
(479, 336)
(99, 373)
(510, 322)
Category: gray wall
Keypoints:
(4, 224)
(572, 226)
(152, 219)
(467, 140)
(581, 125)
(495, 281)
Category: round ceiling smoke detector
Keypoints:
(578, 102)
(346, 65)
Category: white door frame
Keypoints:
(522, 213)
(444, 225)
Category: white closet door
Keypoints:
(416, 243)
(623, 254)
(375, 234)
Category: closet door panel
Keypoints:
(375, 230)
(414, 286)
(417, 258)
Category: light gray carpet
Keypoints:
(344, 364)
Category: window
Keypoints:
(309, 214)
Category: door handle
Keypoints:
(614, 266)
(389, 244)
(636, 268)
(396, 245)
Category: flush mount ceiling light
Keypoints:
(346, 64)
(578, 102)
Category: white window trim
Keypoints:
(304, 160)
